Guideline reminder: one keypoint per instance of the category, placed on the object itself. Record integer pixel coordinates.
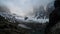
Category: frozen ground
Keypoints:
(33, 20)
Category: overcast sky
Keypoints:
(23, 7)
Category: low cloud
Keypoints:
(24, 7)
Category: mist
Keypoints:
(24, 7)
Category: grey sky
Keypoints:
(23, 7)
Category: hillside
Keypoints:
(7, 27)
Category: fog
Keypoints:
(24, 7)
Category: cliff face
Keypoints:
(57, 3)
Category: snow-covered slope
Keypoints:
(33, 20)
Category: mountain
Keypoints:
(49, 8)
